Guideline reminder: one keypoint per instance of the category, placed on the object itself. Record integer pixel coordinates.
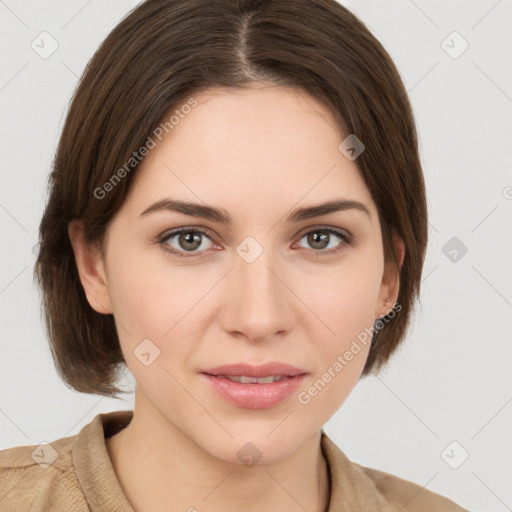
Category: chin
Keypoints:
(257, 444)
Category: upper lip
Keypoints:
(265, 370)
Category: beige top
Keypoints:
(75, 474)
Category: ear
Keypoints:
(91, 269)
(390, 282)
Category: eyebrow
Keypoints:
(222, 216)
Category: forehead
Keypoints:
(267, 146)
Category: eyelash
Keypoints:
(346, 238)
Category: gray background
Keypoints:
(451, 380)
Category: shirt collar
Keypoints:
(351, 488)
(93, 466)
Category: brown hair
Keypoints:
(160, 54)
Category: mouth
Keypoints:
(255, 387)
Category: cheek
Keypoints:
(343, 301)
(341, 333)
(140, 304)
(343, 297)
(153, 303)
(147, 297)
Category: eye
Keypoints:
(188, 240)
(320, 240)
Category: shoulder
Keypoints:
(409, 495)
(40, 477)
(370, 489)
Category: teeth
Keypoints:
(259, 380)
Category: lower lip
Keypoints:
(254, 395)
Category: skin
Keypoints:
(257, 153)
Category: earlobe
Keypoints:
(91, 269)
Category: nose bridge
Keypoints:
(259, 305)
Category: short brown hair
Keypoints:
(161, 53)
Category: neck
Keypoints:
(169, 471)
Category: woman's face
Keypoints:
(263, 288)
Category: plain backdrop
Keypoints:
(447, 393)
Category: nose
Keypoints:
(259, 303)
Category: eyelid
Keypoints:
(166, 235)
(346, 237)
(325, 227)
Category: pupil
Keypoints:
(190, 238)
(321, 238)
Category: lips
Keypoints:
(272, 369)
(254, 387)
